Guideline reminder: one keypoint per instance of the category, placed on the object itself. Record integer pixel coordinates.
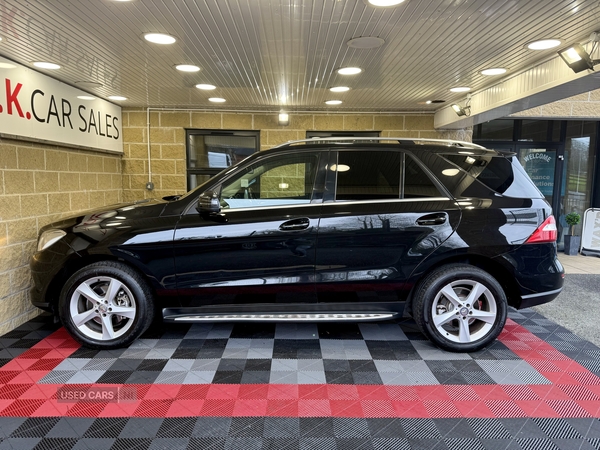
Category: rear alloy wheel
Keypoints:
(460, 308)
(106, 305)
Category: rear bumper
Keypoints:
(530, 300)
(538, 273)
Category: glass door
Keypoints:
(576, 191)
(545, 166)
(540, 165)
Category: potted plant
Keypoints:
(572, 242)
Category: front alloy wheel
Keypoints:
(102, 308)
(460, 308)
(106, 305)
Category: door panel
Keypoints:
(247, 252)
(382, 216)
(263, 239)
(370, 247)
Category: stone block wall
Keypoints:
(39, 184)
(579, 107)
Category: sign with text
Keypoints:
(38, 107)
(539, 165)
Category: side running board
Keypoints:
(294, 317)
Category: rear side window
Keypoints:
(368, 175)
(416, 183)
(476, 176)
(380, 175)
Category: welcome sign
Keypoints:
(38, 107)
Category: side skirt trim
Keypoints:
(289, 317)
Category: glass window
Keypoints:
(577, 185)
(368, 175)
(416, 183)
(497, 130)
(534, 130)
(556, 125)
(377, 175)
(275, 181)
(210, 151)
(475, 176)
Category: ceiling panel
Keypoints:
(269, 54)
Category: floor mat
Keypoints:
(369, 385)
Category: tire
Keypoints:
(460, 308)
(91, 299)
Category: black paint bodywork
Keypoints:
(361, 256)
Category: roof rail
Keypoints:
(400, 140)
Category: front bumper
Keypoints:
(46, 268)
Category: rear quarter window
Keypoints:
(478, 175)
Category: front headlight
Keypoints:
(49, 237)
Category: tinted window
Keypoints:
(416, 183)
(377, 175)
(501, 129)
(368, 175)
(496, 173)
(275, 181)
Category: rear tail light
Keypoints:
(546, 232)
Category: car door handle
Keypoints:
(432, 219)
(295, 224)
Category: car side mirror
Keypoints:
(208, 203)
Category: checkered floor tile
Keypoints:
(372, 385)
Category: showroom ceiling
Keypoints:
(270, 55)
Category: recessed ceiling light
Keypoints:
(86, 97)
(88, 84)
(460, 89)
(543, 44)
(117, 98)
(339, 89)
(494, 71)
(0, 38)
(159, 38)
(365, 42)
(216, 100)
(428, 102)
(385, 2)
(46, 65)
(7, 66)
(206, 87)
(334, 102)
(187, 68)
(349, 70)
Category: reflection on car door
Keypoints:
(262, 243)
(382, 215)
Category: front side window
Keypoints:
(276, 181)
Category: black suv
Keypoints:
(334, 230)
